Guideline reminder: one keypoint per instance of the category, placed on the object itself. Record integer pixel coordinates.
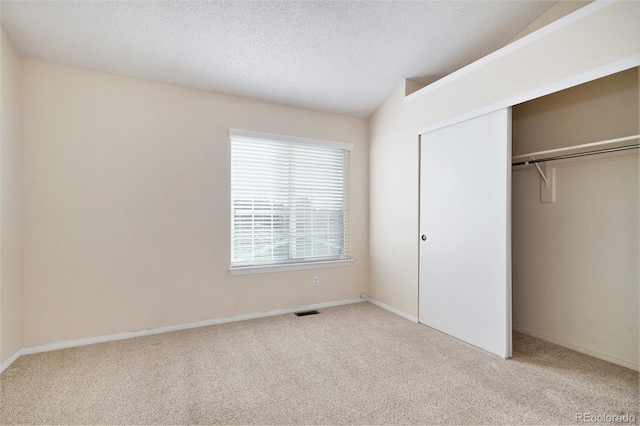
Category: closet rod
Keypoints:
(580, 154)
(584, 145)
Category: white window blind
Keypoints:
(289, 200)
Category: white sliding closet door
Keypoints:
(465, 227)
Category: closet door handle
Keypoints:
(424, 237)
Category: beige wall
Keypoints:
(10, 199)
(127, 205)
(575, 261)
(602, 109)
(606, 36)
(393, 205)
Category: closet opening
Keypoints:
(575, 223)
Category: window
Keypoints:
(289, 202)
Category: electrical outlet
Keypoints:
(316, 281)
(363, 296)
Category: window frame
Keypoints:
(290, 264)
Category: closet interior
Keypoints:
(575, 218)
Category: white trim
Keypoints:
(284, 267)
(166, 329)
(293, 140)
(10, 360)
(393, 310)
(594, 74)
(576, 348)
(518, 44)
(509, 232)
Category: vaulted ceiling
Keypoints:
(337, 56)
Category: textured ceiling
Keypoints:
(338, 56)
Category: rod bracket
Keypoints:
(542, 175)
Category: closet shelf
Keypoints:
(532, 160)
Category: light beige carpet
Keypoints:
(355, 364)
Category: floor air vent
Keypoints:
(305, 313)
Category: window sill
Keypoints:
(265, 269)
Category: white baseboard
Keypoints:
(576, 348)
(394, 310)
(10, 360)
(148, 332)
